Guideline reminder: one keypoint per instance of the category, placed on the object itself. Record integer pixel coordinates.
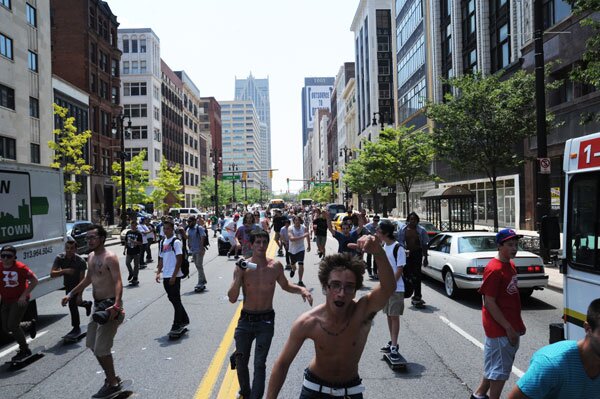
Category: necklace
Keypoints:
(333, 334)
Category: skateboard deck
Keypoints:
(36, 353)
(199, 289)
(395, 365)
(134, 283)
(71, 339)
(125, 385)
(177, 335)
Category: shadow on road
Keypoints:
(413, 371)
(165, 341)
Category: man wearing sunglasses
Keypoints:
(15, 289)
(339, 327)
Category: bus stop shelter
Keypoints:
(450, 208)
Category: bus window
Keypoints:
(583, 222)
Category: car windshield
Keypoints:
(477, 244)
(70, 226)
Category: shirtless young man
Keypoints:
(107, 289)
(257, 320)
(339, 327)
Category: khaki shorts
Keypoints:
(100, 337)
(395, 305)
(277, 236)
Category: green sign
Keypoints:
(321, 184)
(230, 177)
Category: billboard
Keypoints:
(315, 94)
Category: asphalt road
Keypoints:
(439, 342)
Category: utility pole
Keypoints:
(345, 151)
(233, 169)
(216, 156)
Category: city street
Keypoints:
(442, 343)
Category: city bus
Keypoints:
(276, 203)
(580, 263)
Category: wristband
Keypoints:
(69, 295)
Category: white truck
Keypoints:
(32, 218)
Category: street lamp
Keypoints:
(233, 168)
(215, 154)
(346, 153)
(117, 128)
(381, 121)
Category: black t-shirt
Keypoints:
(76, 262)
(130, 238)
(278, 222)
(321, 224)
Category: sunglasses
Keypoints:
(7, 256)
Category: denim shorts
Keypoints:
(498, 358)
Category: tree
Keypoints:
(319, 194)
(477, 131)
(168, 182)
(68, 147)
(136, 180)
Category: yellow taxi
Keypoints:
(336, 222)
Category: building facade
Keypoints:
(211, 128)
(85, 53)
(257, 90)
(195, 148)
(26, 120)
(140, 96)
(241, 142)
(373, 29)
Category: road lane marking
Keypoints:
(216, 365)
(230, 385)
(474, 341)
(15, 347)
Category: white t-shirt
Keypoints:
(144, 230)
(298, 245)
(169, 258)
(283, 233)
(400, 261)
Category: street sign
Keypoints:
(230, 177)
(544, 166)
(384, 191)
(321, 184)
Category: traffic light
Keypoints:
(335, 175)
(244, 176)
(270, 173)
(288, 181)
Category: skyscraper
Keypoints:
(257, 91)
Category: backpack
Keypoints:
(185, 263)
(206, 242)
(408, 282)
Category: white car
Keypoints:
(458, 259)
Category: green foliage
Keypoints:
(136, 180)
(68, 148)
(320, 194)
(477, 131)
(167, 182)
(207, 190)
(590, 72)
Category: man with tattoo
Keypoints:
(339, 327)
(107, 289)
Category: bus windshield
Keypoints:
(276, 204)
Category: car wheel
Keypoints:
(525, 293)
(450, 285)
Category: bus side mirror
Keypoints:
(550, 232)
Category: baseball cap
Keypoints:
(506, 234)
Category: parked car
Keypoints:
(429, 227)
(78, 230)
(223, 243)
(124, 233)
(458, 259)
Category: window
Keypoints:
(34, 107)
(94, 83)
(93, 18)
(35, 153)
(134, 45)
(134, 67)
(125, 45)
(157, 114)
(104, 123)
(156, 92)
(142, 45)
(134, 89)
(156, 155)
(135, 110)
(31, 15)
(5, 3)
(93, 52)
(125, 67)
(114, 95)
(7, 97)
(139, 132)
(104, 61)
(6, 46)
(32, 61)
(583, 231)
(103, 89)
(8, 148)
(142, 66)
(114, 67)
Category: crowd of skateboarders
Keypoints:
(339, 327)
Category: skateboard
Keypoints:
(395, 365)
(177, 334)
(419, 305)
(71, 339)
(199, 289)
(36, 353)
(133, 283)
(125, 385)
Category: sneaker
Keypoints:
(236, 257)
(301, 284)
(386, 347)
(134, 281)
(21, 354)
(292, 272)
(288, 267)
(108, 390)
(280, 253)
(228, 256)
(175, 328)
(32, 329)
(88, 307)
(417, 302)
(74, 332)
(482, 397)
(142, 267)
(149, 260)
(394, 355)
(371, 276)
(129, 277)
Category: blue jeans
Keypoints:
(259, 327)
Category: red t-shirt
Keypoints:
(500, 282)
(14, 281)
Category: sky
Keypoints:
(215, 41)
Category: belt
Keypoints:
(254, 317)
(333, 391)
